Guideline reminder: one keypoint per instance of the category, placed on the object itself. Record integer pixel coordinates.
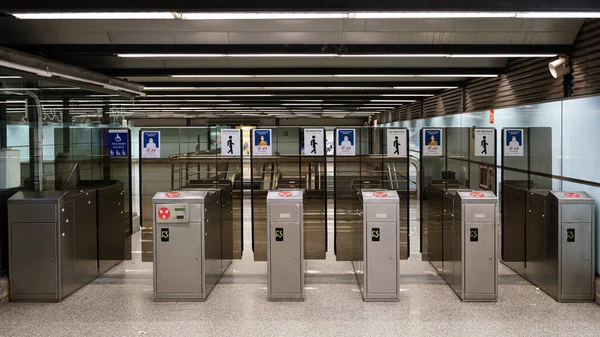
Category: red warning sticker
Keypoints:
(477, 194)
(380, 194)
(164, 213)
(285, 194)
(172, 194)
(572, 195)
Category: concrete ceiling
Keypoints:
(261, 84)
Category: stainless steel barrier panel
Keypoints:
(285, 240)
(378, 269)
(187, 244)
(475, 273)
(569, 269)
(49, 255)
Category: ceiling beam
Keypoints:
(112, 49)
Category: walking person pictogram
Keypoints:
(313, 144)
(230, 144)
(396, 146)
(484, 145)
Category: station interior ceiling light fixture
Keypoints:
(306, 15)
(337, 76)
(282, 88)
(327, 55)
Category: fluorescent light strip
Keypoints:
(96, 16)
(9, 77)
(309, 55)
(264, 16)
(471, 15)
(287, 88)
(175, 96)
(425, 88)
(336, 76)
(303, 15)
(392, 101)
(558, 15)
(249, 76)
(406, 95)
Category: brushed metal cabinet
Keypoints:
(285, 245)
(479, 264)
(178, 261)
(35, 264)
(378, 269)
(576, 266)
(285, 269)
(381, 259)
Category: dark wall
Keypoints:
(526, 81)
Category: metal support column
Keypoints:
(3, 119)
(105, 138)
(66, 121)
(35, 145)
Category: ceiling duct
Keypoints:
(45, 69)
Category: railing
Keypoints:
(201, 165)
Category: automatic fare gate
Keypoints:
(187, 245)
(285, 245)
(475, 278)
(570, 274)
(377, 264)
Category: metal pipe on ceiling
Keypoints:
(55, 71)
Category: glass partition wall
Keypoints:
(289, 165)
(369, 164)
(451, 159)
(190, 158)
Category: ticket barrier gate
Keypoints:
(474, 276)
(549, 239)
(285, 245)
(52, 244)
(570, 238)
(377, 259)
(187, 244)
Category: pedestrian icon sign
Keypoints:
(314, 142)
(484, 143)
(375, 234)
(278, 234)
(230, 142)
(397, 140)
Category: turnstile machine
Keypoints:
(474, 275)
(570, 240)
(377, 260)
(285, 245)
(50, 256)
(187, 244)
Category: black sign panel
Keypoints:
(570, 234)
(164, 235)
(375, 234)
(474, 235)
(278, 234)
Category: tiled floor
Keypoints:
(120, 304)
